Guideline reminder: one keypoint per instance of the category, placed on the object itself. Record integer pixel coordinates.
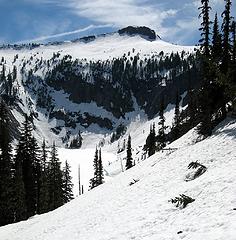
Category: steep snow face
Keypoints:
(116, 210)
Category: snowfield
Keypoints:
(118, 211)
(102, 48)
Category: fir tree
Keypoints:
(226, 36)
(205, 27)
(44, 181)
(3, 74)
(24, 156)
(176, 123)
(14, 73)
(20, 209)
(216, 42)
(100, 168)
(150, 145)
(94, 180)
(55, 180)
(192, 105)
(232, 70)
(35, 157)
(6, 184)
(233, 30)
(205, 113)
(161, 137)
(129, 159)
(67, 185)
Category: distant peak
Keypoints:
(142, 31)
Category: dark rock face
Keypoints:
(13, 123)
(142, 31)
(85, 120)
(86, 39)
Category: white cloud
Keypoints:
(48, 37)
(122, 13)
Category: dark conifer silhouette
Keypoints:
(129, 159)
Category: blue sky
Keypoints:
(49, 20)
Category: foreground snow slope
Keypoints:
(116, 210)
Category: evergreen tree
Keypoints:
(233, 29)
(3, 74)
(76, 142)
(232, 70)
(216, 42)
(100, 168)
(129, 159)
(192, 103)
(205, 113)
(9, 84)
(94, 180)
(67, 185)
(19, 200)
(14, 73)
(176, 123)
(34, 155)
(161, 137)
(226, 36)
(205, 27)
(6, 184)
(24, 155)
(44, 181)
(150, 145)
(55, 180)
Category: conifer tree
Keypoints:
(216, 42)
(129, 159)
(161, 137)
(3, 74)
(98, 177)
(205, 114)
(233, 28)
(14, 73)
(20, 209)
(205, 27)
(176, 123)
(233, 66)
(192, 106)
(226, 36)
(94, 180)
(232, 70)
(55, 180)
(100, 168)
(24, 156)
(150, 145)
(44, 181)
(35, 157)
(67, 185)
(6, 184)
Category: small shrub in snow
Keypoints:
(182, 201)
(196, 170)
(133, 182)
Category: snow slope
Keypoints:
(113, 163)
(117, 210)
(103, 48)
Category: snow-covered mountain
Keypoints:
(137, 203)
(94, 84)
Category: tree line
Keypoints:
(31, 180)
